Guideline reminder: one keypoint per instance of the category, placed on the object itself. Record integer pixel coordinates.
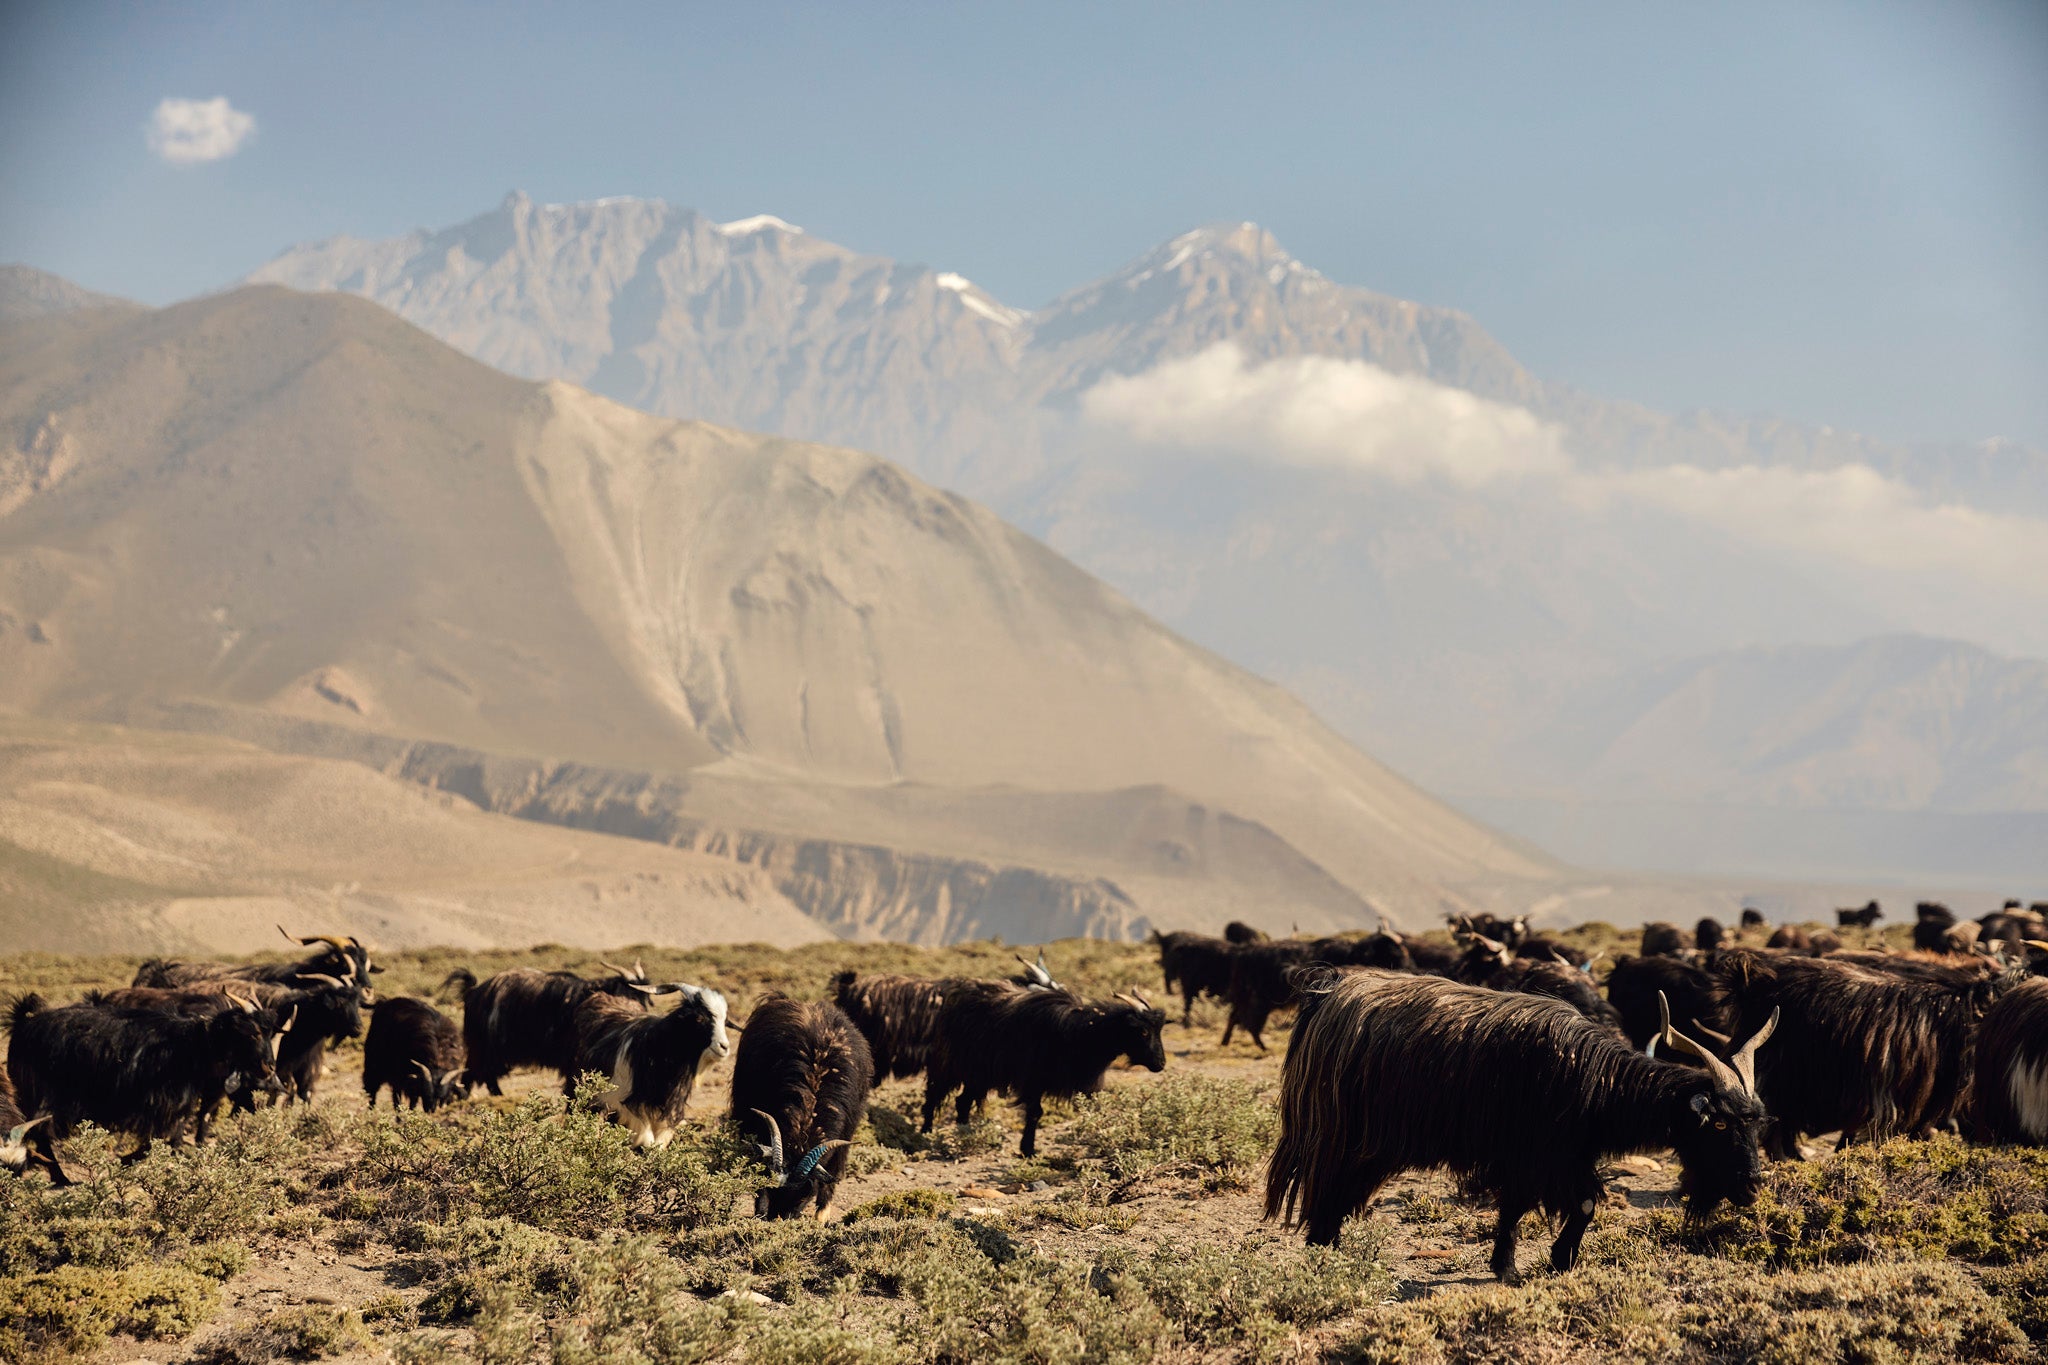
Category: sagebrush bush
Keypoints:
(311, 1333)
(58, 1314)
(1250, 1298)
(1218, 1129)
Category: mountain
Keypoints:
(27, 293)
(297, 520)
(1367, 499)
(118, 840)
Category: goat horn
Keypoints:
(1697, 1027)
(290, 937)
(1139, 996)
(639, 970)
(425, 1071)
(246, 1006)
(20, 1131)
(773, 1151)
(1723, 1074)
(2036, 944)
(289, 1020)
(336, 982)
(613, 967)
(1744, 1060)
(339, 945)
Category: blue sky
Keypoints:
(1837, 212)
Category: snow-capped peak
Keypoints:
(760, 222)
(976, 300)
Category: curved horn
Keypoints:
(2036, 944)
(1139, 996)
(773, 1150)
(332, 981)
(426, 1072)
(20, 1131)
(1722, 1073)
(340, 945)
(1697, 1027)
(242, 1003)
(614, 967)
(290, 937)
(1744, 1060)
(638, 970)
(810, 1161)
(289, 1020)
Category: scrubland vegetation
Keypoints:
(527, 1229)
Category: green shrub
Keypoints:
(58, 1314)
(1248, 1296)
(309, 1333)
(1220, 1130)
(905, 1204)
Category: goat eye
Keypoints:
(1720, 1124)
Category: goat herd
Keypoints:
(1498, 1058)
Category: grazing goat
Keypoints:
(417, 1051)
(1753, 918)
(1543, 948)
(1259, 985)
(1432, 958)
(1861, 918)
(344, 957)
(275, 1010)
(994, 1036)
(1663, 940)
(1237, 931)
(143, 1072)
(898, 1016)
(524, 1017)
(14, 1146)
(1508, 931)
(1198, 964)
(2009, 1100)
(1519, 1095)
(653, 1060)
(1637, 984)
(1491, 965)
(1708, 934)
(800, 1089)
(1870, 1053)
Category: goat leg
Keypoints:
(1511, 1211)
(1034, 1108)
(1564, 1252)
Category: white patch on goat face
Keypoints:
(721, 1044)
(2027, 1083)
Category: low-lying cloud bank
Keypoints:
(1938, 566)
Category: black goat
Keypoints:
(653, 1060)
(1790, 938)
(1508, 931)
(994, 1036)
(1544, 948)
(1931, 925)
(1708, 934)
(1519, 1095)
(415, 1050)
(1861, 918)
(800, 1088)
(524, 1017)
(1870, 1053)
(2009, 1099)
(1495, 967)
(1199, 965)
(1432, 958)
(274, 1010)
(138, 1071)
(1664, 940)
(1237, 931)
(1260, 984)
(1697, 996)
(898, 1016)
(343, 957)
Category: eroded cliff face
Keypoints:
(861, 891)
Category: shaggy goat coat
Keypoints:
(2009, 1102)
(1520, 1095)
(806, 1066)
(898, 1017)
(525, 1017)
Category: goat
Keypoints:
(800, 1085)
(1663, 940)
(1508, 931)
(653, 1060)
(1861, 918)
(1867, 1052)
(1493, 966)
(1708, 934)
(14, 1147)
(138, 1071)
(994, 1036)
(415, 1050)
(325, 1010)
(275, 1010)
(2009, 1096)
(1637, 985)
(1259, 985)
(1199, 965)
(524, 1017)
(1519, 1095)
(1237, 931)
(344, 957)
(898, 1016)
(1931, 923)
(1543, 948)
(1790, 938)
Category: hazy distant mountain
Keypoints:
(27, 293)
(1365, 498)
(298, 520)
(1896, 723)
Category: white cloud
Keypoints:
(1319, 411)
(186, 132)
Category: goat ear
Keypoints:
(1699, 1106)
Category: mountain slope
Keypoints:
(295, 518)
(27, 293)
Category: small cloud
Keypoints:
(186, 132)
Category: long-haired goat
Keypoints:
(800, 1090)
(994, 1036)
(524, 1017)
(1663, 940)
(1697, 996)
(1790, 938)
(417, 1051)
(275, 1009)
(1862, 917)
(2009, 1100)
(1708, 934)
(1870, 1053)
(653, 1060)
(1237, 931)
(898, 1016)
(1197, 964)
(340, 956)
(1260, 983)
(144, 1072)
(1521, 1096)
